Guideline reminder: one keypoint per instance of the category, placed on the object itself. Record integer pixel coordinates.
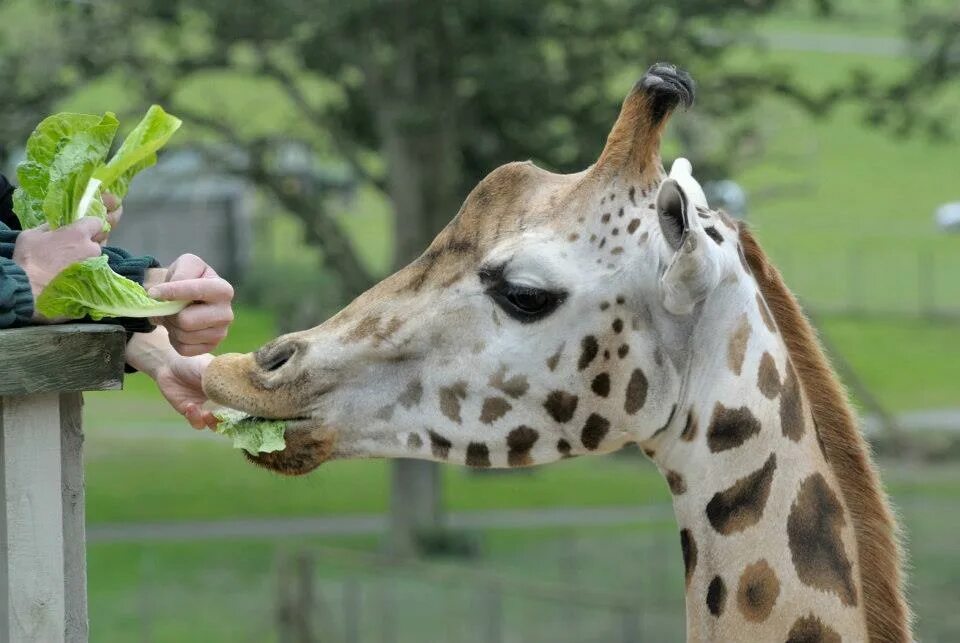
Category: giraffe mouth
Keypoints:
(236, 381)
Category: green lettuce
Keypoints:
(91, 288)
(254, 435)
(61, 156)
(138, 151)
(66, 170)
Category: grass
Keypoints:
(225, 591)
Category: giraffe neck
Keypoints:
(768, 544)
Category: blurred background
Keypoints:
(326, 142)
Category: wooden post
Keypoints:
(43, 570)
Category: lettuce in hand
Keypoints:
(91, 289)
(62, 155)
(254, 435)
(66, 169)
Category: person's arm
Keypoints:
(177, 377)
(16, 297)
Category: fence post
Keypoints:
(351, 610)
(493, 614)
(43, 570)
(295, 604)
(629, 626)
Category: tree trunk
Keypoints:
(415, 114)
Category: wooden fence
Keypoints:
(43, 570)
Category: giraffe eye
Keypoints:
(524, 303)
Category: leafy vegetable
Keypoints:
(138, 152)
(255, 435)
(66, 169)
(62, 154)
(91, 288)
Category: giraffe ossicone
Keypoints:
(565, 315)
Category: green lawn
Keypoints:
(226, 590)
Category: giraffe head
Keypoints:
(547, 320)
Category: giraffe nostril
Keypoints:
(271, 358)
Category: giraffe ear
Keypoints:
(693, 269)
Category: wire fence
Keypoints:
(878, 282)
(575, 585)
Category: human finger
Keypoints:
(209, 290)
(201, 316)
(205, 337)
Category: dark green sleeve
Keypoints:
(16, 298)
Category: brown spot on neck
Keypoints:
(742, 505)
(716, 596)
(737, 346)
(636, 395)
(810, 629)
(678, 486)
(768, 377)
(791, 407)
(813, 532)
(729, 428)
(757, 591)
(689, 548)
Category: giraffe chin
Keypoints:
(307, 449)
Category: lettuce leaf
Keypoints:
(91, 288)
(62, 154)
(138, 151)
(254, 435)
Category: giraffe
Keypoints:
(564, 315)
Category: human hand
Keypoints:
(114, 212)
(179, 380)
(42, 253)
(202, 325)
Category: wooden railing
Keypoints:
(43, 570)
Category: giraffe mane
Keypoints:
(888, 616)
